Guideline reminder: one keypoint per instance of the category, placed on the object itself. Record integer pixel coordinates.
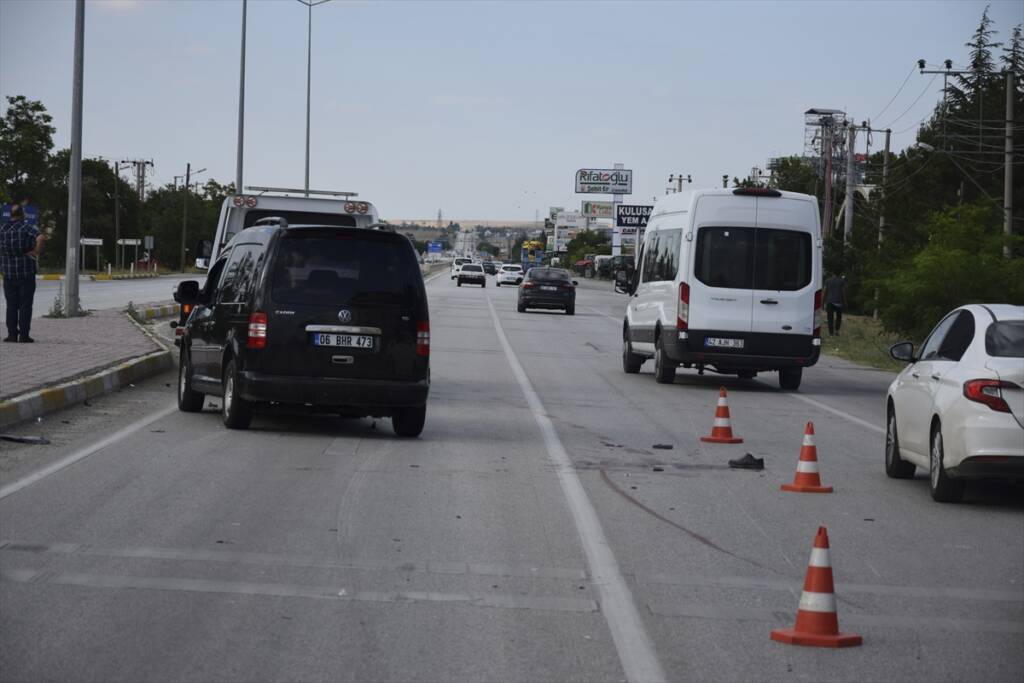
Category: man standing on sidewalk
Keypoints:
(20, 244)
(835, 301)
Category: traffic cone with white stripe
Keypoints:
(817, 623)
(721, 432)
(807, 479)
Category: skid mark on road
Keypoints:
(689, 532)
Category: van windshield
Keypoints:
(753, 258)
(321, 267)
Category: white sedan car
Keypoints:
(957, 409)
(510, 275)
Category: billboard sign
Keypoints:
(604, 181)
(553, 211)
(31, 214)
(632, 218)
(433, 247)
(571, 219)
(592, 209)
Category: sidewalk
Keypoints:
(74, 359)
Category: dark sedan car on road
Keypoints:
(548, 288)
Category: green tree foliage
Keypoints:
(26, 138)
(586, 242)
(794, 174)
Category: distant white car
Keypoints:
(457, 265)
(510, 275)
(472, 274)
(957, 409)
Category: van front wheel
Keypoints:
(789, 378)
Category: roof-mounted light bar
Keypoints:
(290, 190)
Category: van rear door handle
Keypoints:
(769, 301)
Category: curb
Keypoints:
(154, 312)
(50, 399)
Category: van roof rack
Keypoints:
(290, 190)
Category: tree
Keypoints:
(794, 174)
(26, 139)
(982, 65)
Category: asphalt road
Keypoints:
(110, 293)
(537, 531)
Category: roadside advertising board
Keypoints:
(592, 209)
(571, 219)
(553, 211)
(31, 214)
(632, 218)
(434, 247)
(91, 242)
(604, 181)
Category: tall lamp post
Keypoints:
(310, 4)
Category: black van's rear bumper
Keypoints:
(332, 391)
(761, 350)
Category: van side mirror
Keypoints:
(187, 292)
(204, 249)
(903, 351)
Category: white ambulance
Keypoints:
(727, 280)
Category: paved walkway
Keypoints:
(68, 348)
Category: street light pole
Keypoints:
(71, 306)
(310, 4)
(241, 110)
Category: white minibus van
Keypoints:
(727, 280)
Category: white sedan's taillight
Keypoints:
(988, 391)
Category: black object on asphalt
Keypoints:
(663, 446)
(35, 440)
(747, 462)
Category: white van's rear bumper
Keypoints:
(758, 350)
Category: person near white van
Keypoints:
(727, 280)
(835, 302)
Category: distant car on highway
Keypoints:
(457, 265)
(510, 274)
(547, 288)
(327, 318)
(957, 409)
(728, 280)
(490, 267)
(472, 274)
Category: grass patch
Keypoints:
(865, 341)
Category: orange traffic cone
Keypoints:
(817, 623)
(807, 479)
(721, 432)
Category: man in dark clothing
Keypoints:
(20, 244)
(835, 301)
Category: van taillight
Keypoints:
(987, 391)
(818, 296)
(423, 338)
(683, 310)
(257, 338)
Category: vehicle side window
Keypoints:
(725, 257)
(238, 273)
(649, 266)
(930, 350)
(668, 254)
(212, 281)
(959, 337)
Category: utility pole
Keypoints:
(71, 306)
(851, 133)
(1008, 168)
(117, 211)
(826, 142)
(184, 213)
(881, 214)
(241, 110)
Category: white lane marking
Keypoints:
(839, 413)
(85, 452)
(634, 646)
(617, 321)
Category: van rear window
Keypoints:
(1005, 339)
(753, 258)
(299, 218)
(332, 269)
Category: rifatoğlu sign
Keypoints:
(604, 181)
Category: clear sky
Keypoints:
(482, 109)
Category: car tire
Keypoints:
(630, 361)
(235, 411)
(189, 400)
(944, 488)
(789, 378)
(520, 307)
(895, 466)
(497, 284)
(570, 310)
(408, 422)
(484, 284)
(458, 283)
(664, 369)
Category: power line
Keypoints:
(902, 85)
(912, 104)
